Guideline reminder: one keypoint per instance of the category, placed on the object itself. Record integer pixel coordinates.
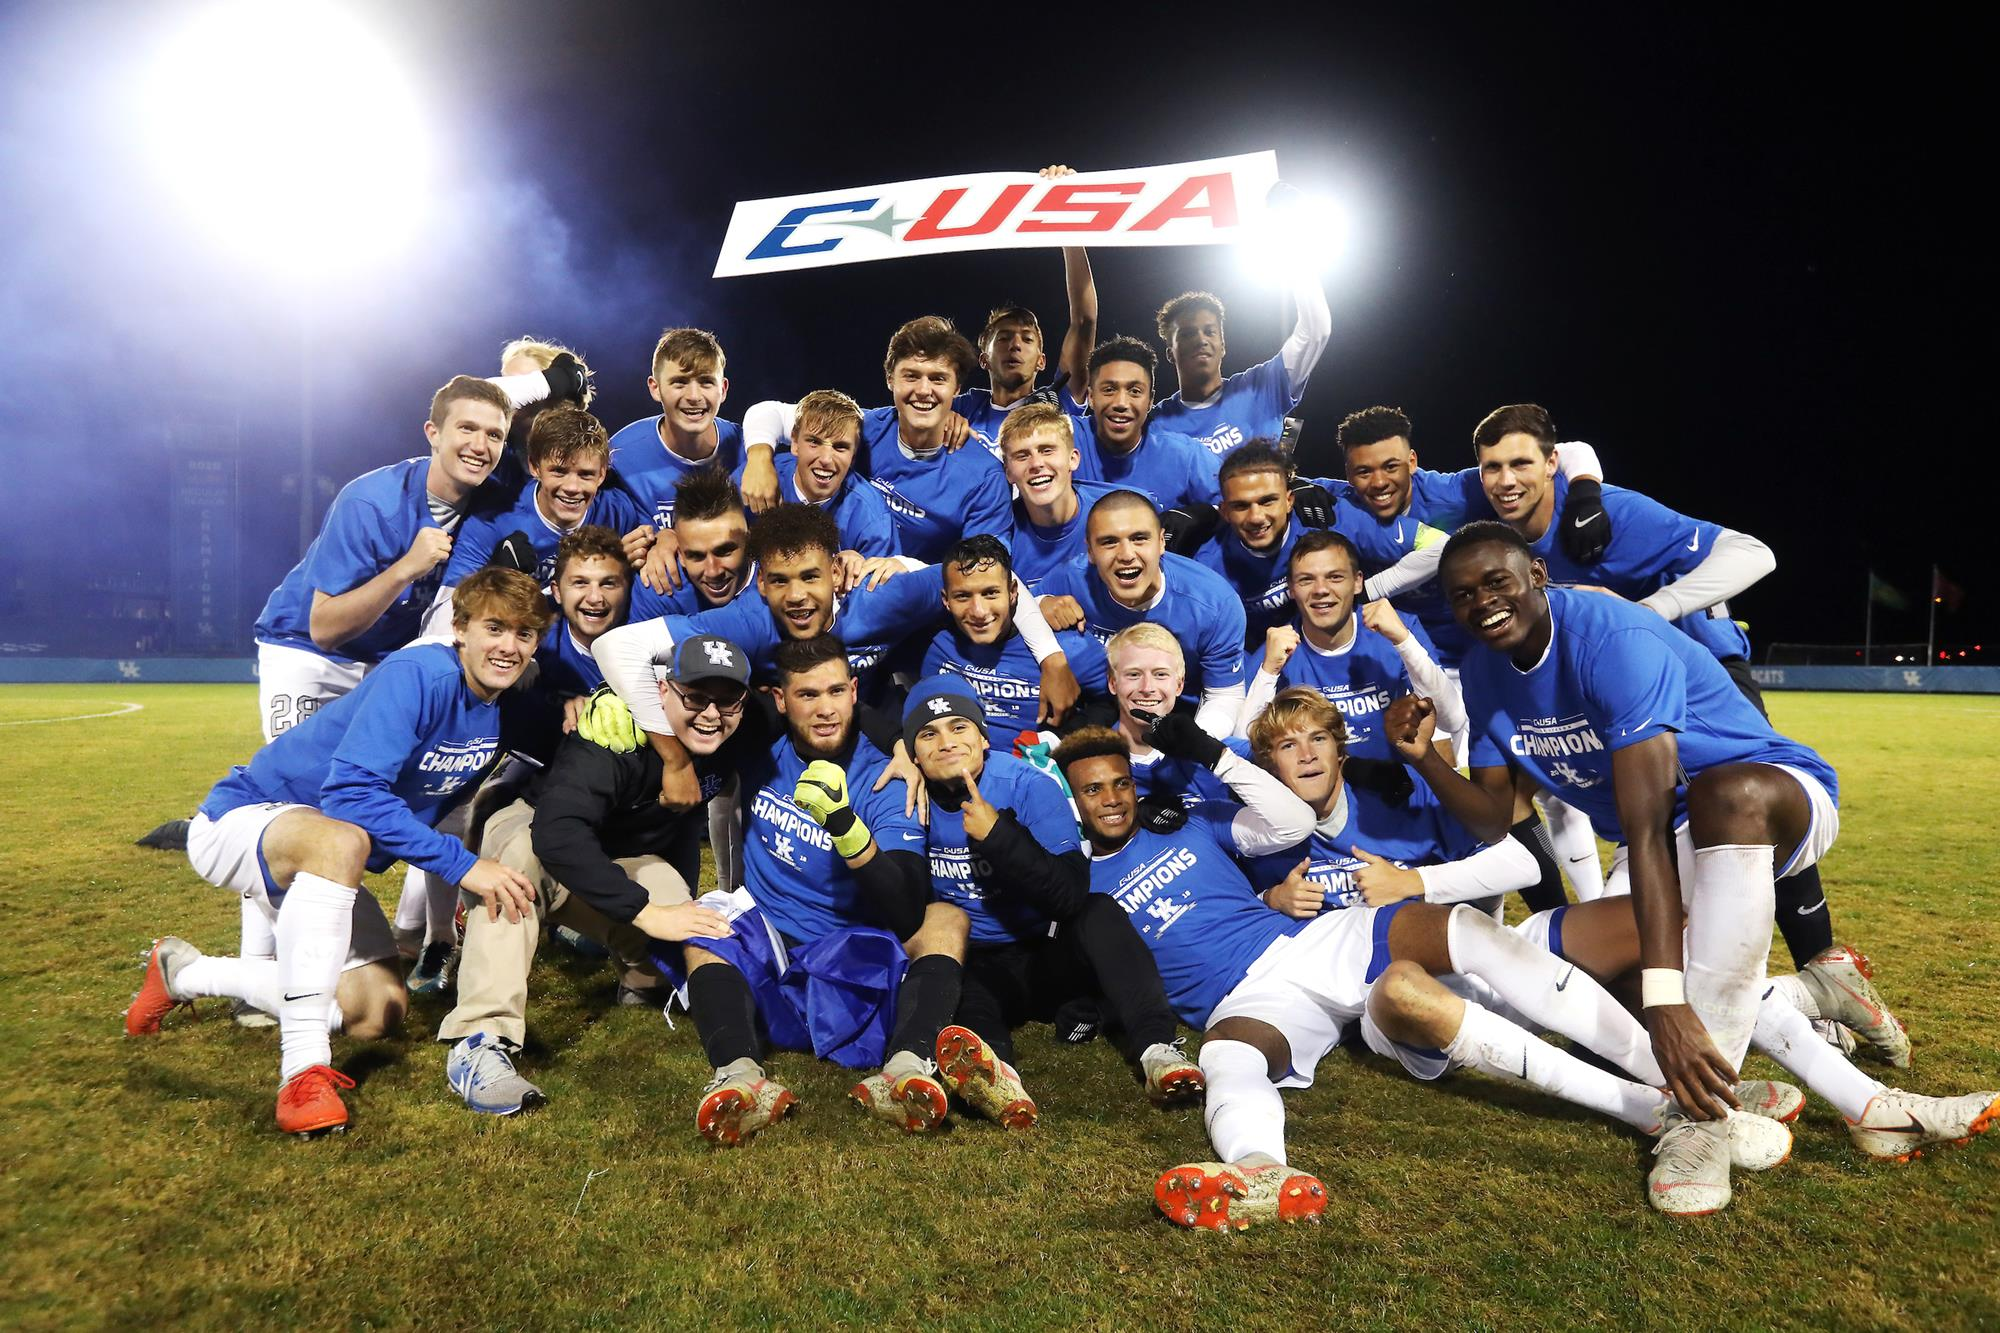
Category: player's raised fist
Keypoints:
(1382, 618)
(1410, 723)
(1061, 612)
(1057, 172)
(431, 548)
(1280, 642)
(760, 480)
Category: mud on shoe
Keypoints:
(1234, 1196)
(739, 1101)
(983, 1081)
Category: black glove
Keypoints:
(515, 552)
(1585, 529)
(1312, 502)
(1384, 777)
(1051, 393)
(1189, 526)
(568, 380)
(1177, 736)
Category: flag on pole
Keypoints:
(1944, 592)
(1882, 591)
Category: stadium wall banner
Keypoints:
(127, 670)
(1888, 679)
(1220, 200)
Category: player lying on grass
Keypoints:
(357, 787)
(1272, 993)
(1001, 839)
(591, 836)
(1637, 725)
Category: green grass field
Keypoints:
(145, 1183)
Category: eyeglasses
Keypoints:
(697, 704)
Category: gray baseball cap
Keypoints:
(708, 657)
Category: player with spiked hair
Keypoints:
(362, 784)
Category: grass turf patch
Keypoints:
(144, 1181)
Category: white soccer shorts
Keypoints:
(1820, 834)
(229, 853)
(293, 684)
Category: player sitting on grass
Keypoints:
(1130, 578)
(1002, 844)
(983, 647)
(1637, 725)
(588, 835)
(356, 788)
(910, 451)
(1272, 993)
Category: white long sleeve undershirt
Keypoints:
(1736, 561)
(1500, 868)
(1273, 817)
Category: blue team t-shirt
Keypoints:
(1038, 551)
(1170, 468)
(858, 509)
(937, 498)
(1162, 777)
(804, 887)
(871, 622)
(1195, 605)
(369, 528)
(1250, 405)
(964, 878)
(1190, 902)
(1615, 674)
(651, 471)
(1440, 503)
(1006, 676)
(1408, 836)
(1359, 680)
(392, 756)
(986, 420)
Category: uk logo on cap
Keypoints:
(939, 706)
(719, 654)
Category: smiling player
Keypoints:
(653, 454)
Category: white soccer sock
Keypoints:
(251, 980)
(1787, 1036)
(1575, 845)
(258, 935)
(413, 908)
(1244, 1112)
(1549, 992)
(1792, 989)
(1489, 1043)
(1730, 908)
(315, 925)
(440, 910)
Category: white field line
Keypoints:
(119, 711)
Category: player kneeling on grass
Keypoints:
(356, 787)
(1272, 993)
(589, 837)
(1002, 844)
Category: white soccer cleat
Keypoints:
(1834, 1035)
(1758, 1142)
(1171, 1078)
(1840, 980)
(1690, 1175)
(1896, 1126)
(1771, 1099)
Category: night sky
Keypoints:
(1750, 261)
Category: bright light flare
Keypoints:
(291, 132)
(1304, 233)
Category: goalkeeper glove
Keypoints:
(606, 721)
(822, 793)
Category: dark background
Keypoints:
(1750, 260)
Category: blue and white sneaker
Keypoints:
(481, 1070)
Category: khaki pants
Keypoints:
(493, 967)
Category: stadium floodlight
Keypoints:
(292, 133)
(1304, 232)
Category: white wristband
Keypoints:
(1661, 986)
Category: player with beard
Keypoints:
(1258, 532)
(654, 454)
(1223, 414)
(1129, 577)
(1272, 993)
(568, 463)
(359, 786)
(826, 852)
(910, 451)
(1001, 839)
(1120, 444)
(983, 648)
(588, 836)
(795, 551)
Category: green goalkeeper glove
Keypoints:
(822, 793)
(606, 721)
